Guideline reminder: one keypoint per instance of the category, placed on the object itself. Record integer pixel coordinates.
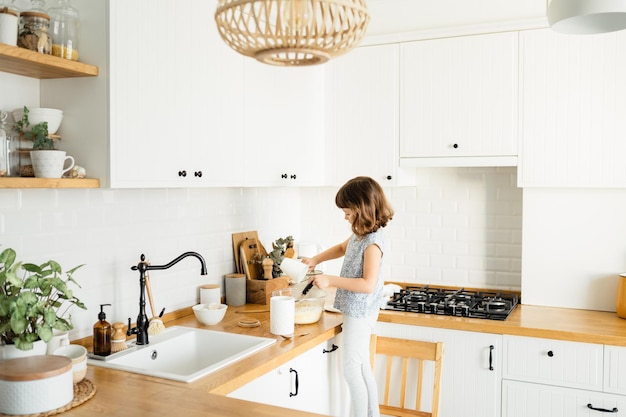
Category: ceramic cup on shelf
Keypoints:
(50, 163)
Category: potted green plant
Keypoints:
(34, 300)
(279, 247)
(47, 161)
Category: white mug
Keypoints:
(294, 269)
(59, 338)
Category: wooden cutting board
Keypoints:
(250, 258)
(238, 239)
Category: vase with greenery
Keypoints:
(279, 247)
(34, 300)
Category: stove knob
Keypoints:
(434, 308)
(465, 310)
(452, 310)
(421, 307)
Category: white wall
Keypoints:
(457, 227)
(574, 247)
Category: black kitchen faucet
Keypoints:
(141, 329)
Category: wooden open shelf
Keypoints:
(25, 62)
(24, 182)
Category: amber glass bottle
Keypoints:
(102, 334)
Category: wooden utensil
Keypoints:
(238, 238)
(251, 254)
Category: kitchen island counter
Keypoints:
(124, 394)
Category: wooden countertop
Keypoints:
(549, 322)
(125, 394)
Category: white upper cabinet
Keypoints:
(362, 116)
(459, 101)
(283, 119)
(573, 101)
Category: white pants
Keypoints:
(357, 371)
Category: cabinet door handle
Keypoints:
(293, 394)
(283, 175)
(550, 353)
(389, 177)
(182, 173)
(491, 348)
(293, 176)
(455, 146)
(198, 174)
(333, 348)
(604, 410)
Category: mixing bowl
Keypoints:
(309, 308)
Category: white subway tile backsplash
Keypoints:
(453, 228)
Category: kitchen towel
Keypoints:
(282, 315)
(235, 289)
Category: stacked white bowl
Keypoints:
(40, 114)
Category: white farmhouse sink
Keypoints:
(183, 353)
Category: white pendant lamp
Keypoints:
(292, 32)
(587, 16)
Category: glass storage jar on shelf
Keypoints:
(9, 153)
(65, 30)
(8, 22)
(34, 29)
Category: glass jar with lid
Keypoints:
(8, 22)
(64, 29)
(9, 152)
(34, 29)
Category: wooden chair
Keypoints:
(407, 351)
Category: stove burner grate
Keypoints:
(461, 303)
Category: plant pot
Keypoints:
(11, 352)
(50, 163)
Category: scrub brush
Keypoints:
(118, 340)
(156, 325)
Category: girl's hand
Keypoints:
(321, 281)
(310, 263)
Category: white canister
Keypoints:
(210, 293)
(8, 25)
(35, 384)
(282, 315)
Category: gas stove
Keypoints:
(474, 304)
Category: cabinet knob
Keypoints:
(293, 176)
(389, 177)
(283, 176)
(182, 173)
(455, 146)
(198, 174)
(550, 353)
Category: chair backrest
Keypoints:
(407, 357)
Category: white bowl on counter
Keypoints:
(40, 114)
(209, 314)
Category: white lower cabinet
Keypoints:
(472, 368)
(311, 382)
(524, 399)
(554, 378)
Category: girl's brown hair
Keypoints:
(367, 198)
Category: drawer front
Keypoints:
(615, 369)
(555, 362)
(524, 399)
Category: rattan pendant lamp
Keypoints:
(587, 16)
(292, 32)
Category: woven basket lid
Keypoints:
(32, 368)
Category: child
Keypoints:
(360, 286)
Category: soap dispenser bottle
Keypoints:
(102, 334)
